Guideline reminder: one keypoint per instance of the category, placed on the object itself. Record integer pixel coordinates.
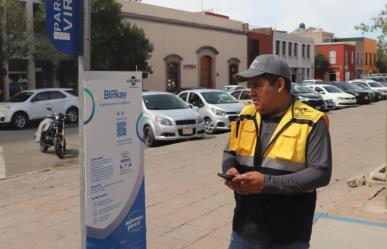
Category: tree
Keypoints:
(321, 63)
(13, 38)
(116, 45)
(379, 24)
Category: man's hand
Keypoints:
(248, 183)
(232, 171)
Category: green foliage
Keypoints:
(13, 38)
(379, 24)
(320, 63)
(116, 45)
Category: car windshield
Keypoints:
(300, 89)
(20, 97)
(218, 98)
(362, 86)
(347, 86)
(375, 84)
(332, 89)
(163, 102)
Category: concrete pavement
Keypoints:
(187, 204)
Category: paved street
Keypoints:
(21, 154)
(187, 204)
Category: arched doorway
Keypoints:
(205, 72)
(173, 79)
(173, 72)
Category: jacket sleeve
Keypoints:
(316, 174)
(229, 159)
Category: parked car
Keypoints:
(315, 81)
(33, 105)
(217, 107)
(166, 117)
(384, 83)
(232, 88)
(340, 98)
(362, 96)
(377, 86)
(378, 94)
(243, 95)
(306, 96)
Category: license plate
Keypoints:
(187, 131)
(366, 97)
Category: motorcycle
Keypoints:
(51, 132)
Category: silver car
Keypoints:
(167, 117)
(217, 107)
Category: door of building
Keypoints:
(332, 77)
(205, 72)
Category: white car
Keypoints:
(339, 97)
(243, 95)
(217, 107)
(232, 88)
(166, 117)
(306, 82)
(34, 104)
(374, 85)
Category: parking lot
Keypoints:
(187, 204)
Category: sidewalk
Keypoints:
(42, 210)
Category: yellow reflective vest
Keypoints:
(286, 151)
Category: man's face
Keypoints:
(263, 94)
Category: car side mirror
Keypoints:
(49, 109)
(33, 100)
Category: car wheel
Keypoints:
(72, 115)
(19, 120)
(149, 138)
(209, 126)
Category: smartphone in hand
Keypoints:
(226, 176)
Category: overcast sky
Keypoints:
(337, 16)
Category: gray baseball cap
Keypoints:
(266, 63)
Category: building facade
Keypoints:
(315, 33)
(260, 41)
(190, 49)
(341, 57)
(298, 51)
(366, 54)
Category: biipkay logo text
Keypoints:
(133, 81)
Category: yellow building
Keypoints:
(369, 54)
(366, 53)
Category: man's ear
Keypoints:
(281, 85)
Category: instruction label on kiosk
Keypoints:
(114, 161)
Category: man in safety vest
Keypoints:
(279, 153)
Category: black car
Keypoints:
(377, 95)
(306, 96)
(362, 96)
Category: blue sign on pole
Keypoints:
(62, 22)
